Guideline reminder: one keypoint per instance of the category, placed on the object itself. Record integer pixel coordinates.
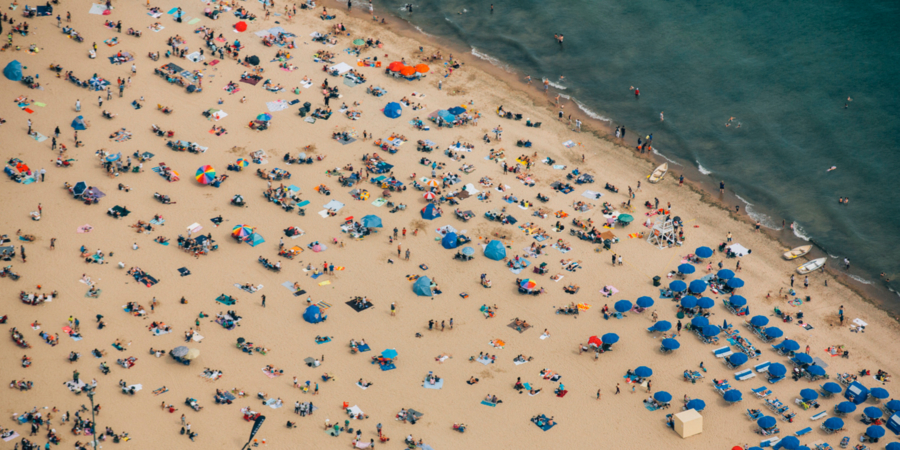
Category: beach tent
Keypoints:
(371, 221)
(78, 123)
(446, 116)
(456, 110)
(856, 393)
(255, 239)
(450, 241)
(495, 250)
(422, 287)
(430, 212)
(393, 110)
(313, 314)
(13, 71)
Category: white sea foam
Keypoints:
(590, 113)
(861, 280)
(421, 31)
(494, 61)
(763, 219)
(657, 153)
(799, 231)
(702, 169)
(833, 256)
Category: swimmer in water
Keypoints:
(832, 168)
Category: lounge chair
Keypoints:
(819, 415)
(722, 352)
(761, 392)
(764, 367)
(772, 441)
(803, 431)
(755, 416)
(774, 379)
(744, 375)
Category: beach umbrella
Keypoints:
(241, 26)
(833, 423)
(774, 332)
(389, 353)
(319, 248)
(528, 284)
(816, 371)
(893, 446)
(622, 306)
(759, 321)
(395, 66)
(803, 358)
(429, 196)
(422, 68)
(789, 443)
(678, 286)
(733, 395)
(643, 372)
(264, 117)
(706, 302)
(179, 351)
(359, 42)
(371, 221)
(393, 110)
(766, 422)
(754, 448)
(114, 158)
(644, 302)
(697, 286)
(893, 405)
(725, 274)
(687, 269)
(253, 60)
(789, 345)
(835, 388)
(242, 162)
(873, 412)
(845, 407)
(610, 338)
(735, 283)
(699, 322)
(671, 344)
(192, 354)
(703, 252)
(809, 394)
(206, 174)
(595, 341)
(79, 188)
(737, 301)
(662, 325)
(408, 71)
(879, 393)
(301, 155)
(433, 183)
(875, 432)
(696, 404)
(468, 251)
(241, 231)
(724, 324)
(689, 301)
(662, 397)
(736, 359)
(626, 218)
(777, 370)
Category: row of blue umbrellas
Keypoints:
(698, 286)
(703, 302)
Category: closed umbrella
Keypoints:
(662, 397)
(735, 283)
(725, 274)
(643, 372)
(777, 370)
(809, 394)
(845, 407)
(766, 422)
(610, 338)
(873, 412)
(670, 344)
(733, 395)
(834, 388)
(644, 302)
(699, 322)
(678, 286)
(623, 306)
(774, 333)
(879, 393)
(696, 404)
(687, 269)
(737, 301)
(662, 325)
(697, 286)
(833, 423)
(393, 110)
(703, 252)
(706, 303)
(759, 321)
(789, 345)
(803, 358)
(689, 302)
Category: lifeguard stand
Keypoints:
(663, 233)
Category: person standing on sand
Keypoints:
(598, 394)
(841, 314)
(393, 308)
(792, 280)
(617, 389)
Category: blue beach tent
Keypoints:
(422, 287)
(313, 314)
(13, 71)
(495, 250)
(450, 241)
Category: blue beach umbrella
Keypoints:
(766, 422)
(711, 330)
(777, 370)
(759, 321)
(789, 443)
(817, 371)
(809, 394)
(697, 286)
(371, 221)
(610, 338)
(264, 117)
(893, 405)
(689, 301)
(774, 332)
(678, 286)
(662, 397)
(699, 322)
(643, 372)
(875, 431)
(834, 388)
(644, 302)
(725, 274)
(393, 110)
(803, 358)
(737, 301)
(833, 423)
(622, 306)
(789, 345)
(687, 269)
(670, 344)
(706, 303)
(389, 353)
(736, 359)
(893, 446)
(662, 325)
(733, 395)
(873, 412)
(468, 251)
(735, 283)
(703, 252)
(696, 404)
(845, 407)
(879, 393)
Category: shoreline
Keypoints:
(880, 295)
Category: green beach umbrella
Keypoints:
(359, 42)
(626, 218)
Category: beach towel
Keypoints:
(487, 403)
(568, 144)
(437, 385)
(99, 9)
(327, 339)
(271, 403)
(484, 361)
(11, 437)
(390, 366)
(277, 105)
(269, 374)
(739, 249)
(325, 283)
(334, 205)
(591, 195)
(545, 427)
(379, 202)
(361, 386)
(194, 20)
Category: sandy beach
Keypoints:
(374, 266)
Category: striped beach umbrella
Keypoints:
(206, 174)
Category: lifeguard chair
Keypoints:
(663, 234)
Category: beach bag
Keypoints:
(182, 430)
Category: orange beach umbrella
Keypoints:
(408, 71)
(422, 68)
(395, 66)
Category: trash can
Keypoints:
(656, 280)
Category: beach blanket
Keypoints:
(361, 386)
(568, 144)
(326, 340)
(739, 249)
(270, 374)
(226, 300)
(11, 437)
(97, 9)
(437, 385)
(591, 195)
(334, 205)
(487, 403)
(271, 403)
(484, 361)
(277, 105)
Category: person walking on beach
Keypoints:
(393, 308)
(792, 280)
(52, 243)
(598, 394)
(661, 117)
(263, 301)
(841, 314)
(617, 389)
(806, 282)
(722, 187)
(678, 327)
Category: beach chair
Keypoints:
(774, 404)
(744, 375)
(763, 367)
(774, 379)
(722, 352)
(824, 446)
(803, 431)
(722, 387)
(788, 416)
(761, 392)
(819, 416)
(826, 429)
(845, 441)
(754, 416)
(772, 441)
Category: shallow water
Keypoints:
(783, 70)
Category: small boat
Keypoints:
(659, 173)
(811, 266)
(797, 252)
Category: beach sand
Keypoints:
(583, 420)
